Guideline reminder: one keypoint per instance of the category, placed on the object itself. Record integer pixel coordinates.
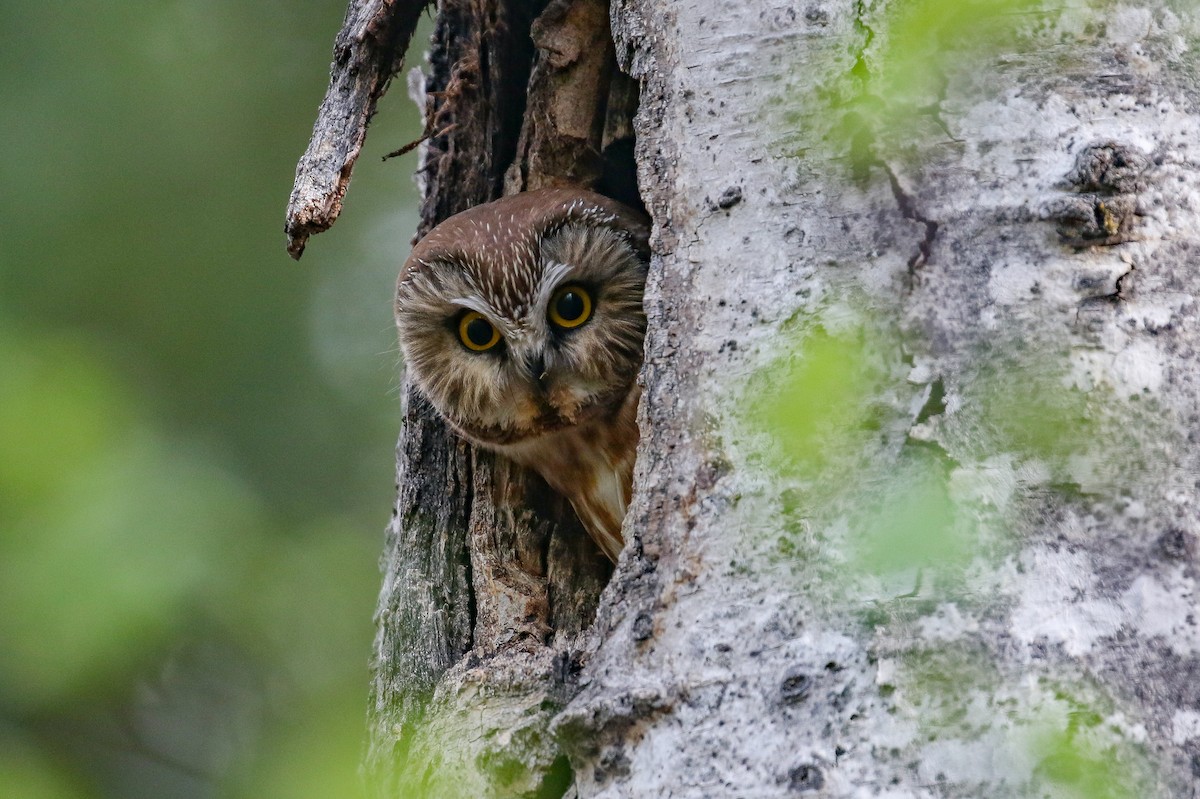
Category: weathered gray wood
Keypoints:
(425, 617)
(562, 138)
(368, 52)
(489, 577)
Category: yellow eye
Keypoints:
(476, 332)
(570, 307)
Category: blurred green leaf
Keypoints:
(824, 410)
(817, 404)
(940, 682)
(1061, 738)
(906, 54)
(1074, 766)
(923, 34)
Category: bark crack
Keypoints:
(935, 403)
(863, 152)
(464, 555)
(909, 209)
(1120, 293)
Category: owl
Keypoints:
(521, 321)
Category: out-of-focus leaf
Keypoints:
(817, 407)
(906, 53)
(923, 34)
(1071, 765)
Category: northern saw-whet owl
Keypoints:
(521, 321)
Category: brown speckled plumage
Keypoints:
(562, 402)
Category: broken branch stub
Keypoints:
(368, 52)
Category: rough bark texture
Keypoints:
(1032, 206)
(579, 118)
(999, 211)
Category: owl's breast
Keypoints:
(591, 464)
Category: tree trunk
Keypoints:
(915, 507)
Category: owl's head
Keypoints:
(524, 316)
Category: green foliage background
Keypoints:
(196, 433)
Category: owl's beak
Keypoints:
(537, 369)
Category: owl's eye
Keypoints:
(476, 332)
(570, 307)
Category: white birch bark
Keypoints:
(1006, 230)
